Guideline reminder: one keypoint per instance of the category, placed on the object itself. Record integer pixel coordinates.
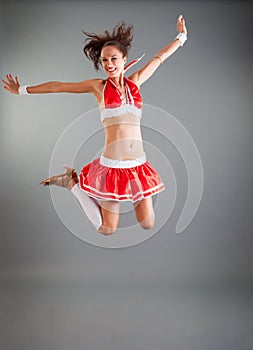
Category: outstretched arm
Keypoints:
(12, 85)
(148, 70)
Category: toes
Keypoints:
(45, 182)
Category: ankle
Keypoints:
(71, 184)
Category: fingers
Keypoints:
(10, 84)
(10, 78)
(179, 19)
(7, 87)
(181, 24)
(5, 82)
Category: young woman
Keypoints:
(122, 172)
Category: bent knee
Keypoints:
(106, 230)
(147, 225)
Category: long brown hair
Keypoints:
(121, 37)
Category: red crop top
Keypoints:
(114, 103)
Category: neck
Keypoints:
(118, 80)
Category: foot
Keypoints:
(67, 179)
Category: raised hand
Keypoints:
(11, 84)
(181, 28)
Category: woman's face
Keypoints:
(112, 61)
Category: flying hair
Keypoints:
(121, 37)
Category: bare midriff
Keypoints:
(123, 138)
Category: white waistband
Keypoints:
(119, 163)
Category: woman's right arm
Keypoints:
(84, 86)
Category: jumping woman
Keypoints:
(122, 172)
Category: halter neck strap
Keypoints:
(129, 65)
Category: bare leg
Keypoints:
(70, 181)
(144, 212)
(104, 218)
(110, 217)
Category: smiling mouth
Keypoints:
(111, 70)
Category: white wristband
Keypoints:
(22, 90)
(182, 37)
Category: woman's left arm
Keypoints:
(148, 70)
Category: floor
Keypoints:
(39, 315)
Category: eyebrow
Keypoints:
(109, 56)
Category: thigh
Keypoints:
(144, 212)
(110, 213)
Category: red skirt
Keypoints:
(120, 183)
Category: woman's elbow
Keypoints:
(57, 86)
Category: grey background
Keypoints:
(188, 291)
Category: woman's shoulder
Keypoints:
(98, 85)
(98, 82)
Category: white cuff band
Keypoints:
(182, 37)
(22, 90)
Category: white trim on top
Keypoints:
(115, 112)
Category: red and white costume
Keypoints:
(120, 180)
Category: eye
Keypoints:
(114, 58)
(103, 59)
